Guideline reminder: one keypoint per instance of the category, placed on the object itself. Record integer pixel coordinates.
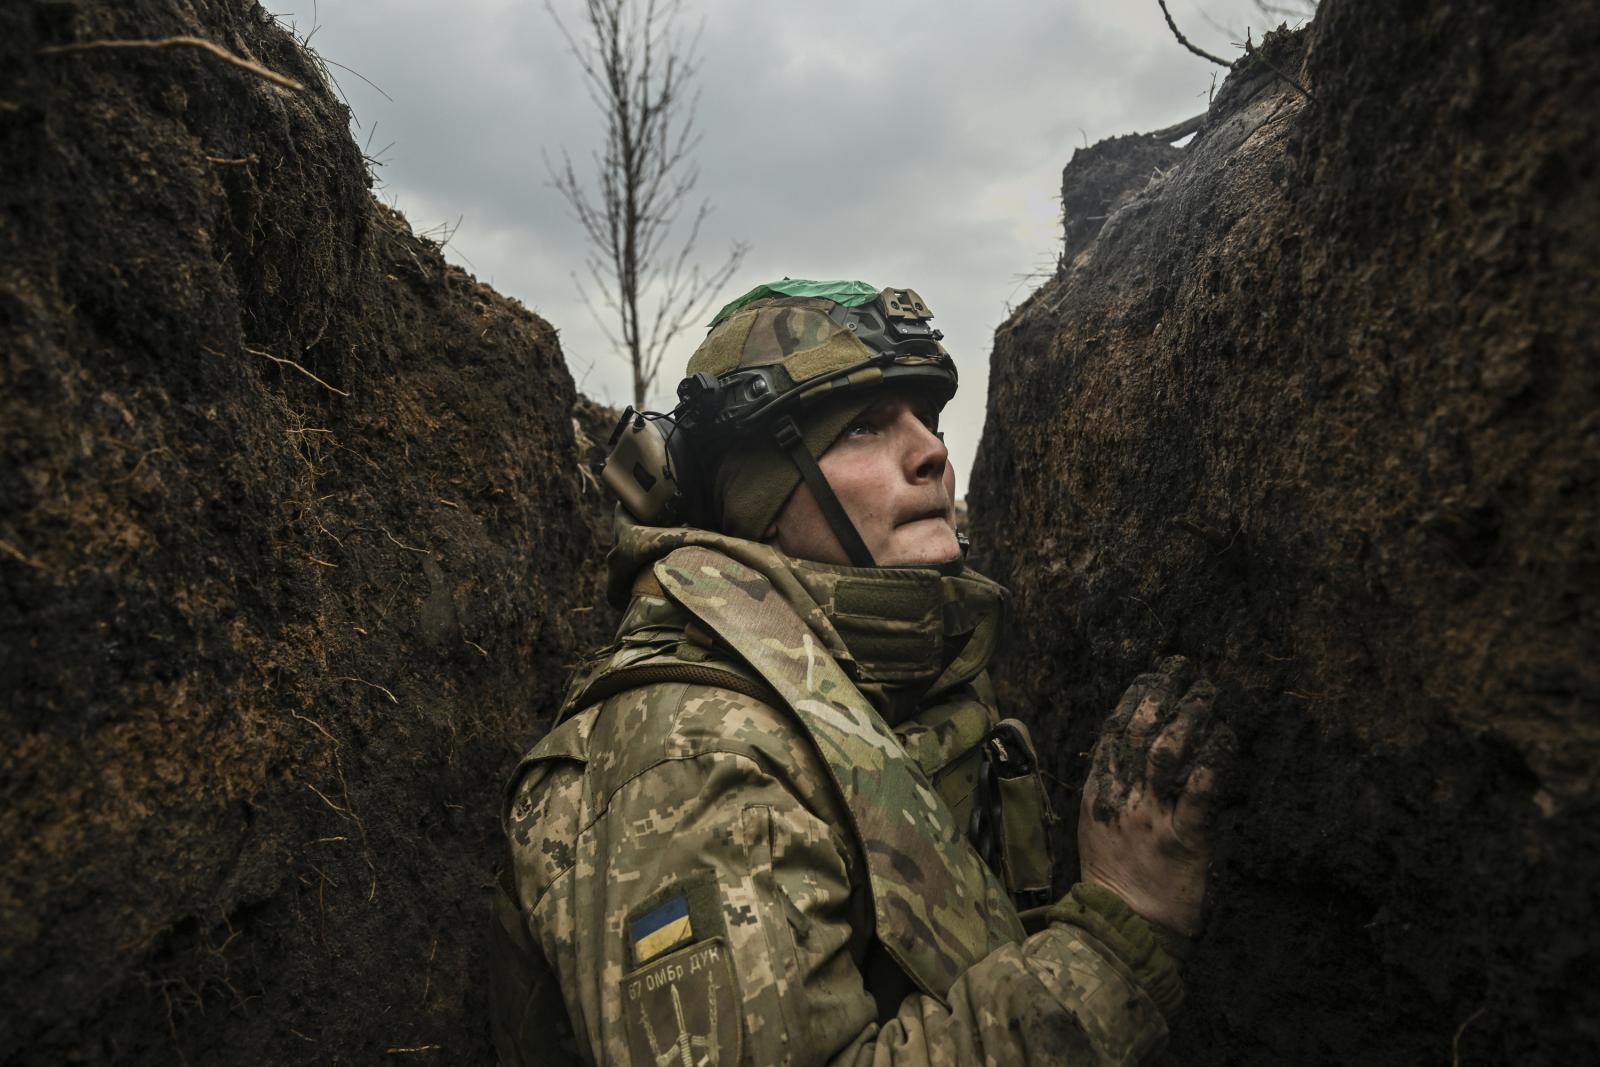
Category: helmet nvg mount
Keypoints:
(772, 357)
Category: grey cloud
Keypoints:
(902, 143)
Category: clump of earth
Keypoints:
(294, 558)
(1313, 401)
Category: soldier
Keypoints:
(780, 820)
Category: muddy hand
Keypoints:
(1142, 824)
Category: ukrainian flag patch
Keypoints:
(661, 929)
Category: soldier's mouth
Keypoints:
(942, 514)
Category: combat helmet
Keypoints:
(782, 371)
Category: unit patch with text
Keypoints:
(683, 1009)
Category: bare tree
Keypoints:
(638, 70)
(1196, 49)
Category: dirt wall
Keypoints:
(1318, 407)
(290, 524)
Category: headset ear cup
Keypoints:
(648, 468)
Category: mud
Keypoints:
(1127, 758)
(1316, 406)
(291, 529)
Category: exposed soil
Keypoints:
(1103, 178)
(271, 632)
(1319, 407)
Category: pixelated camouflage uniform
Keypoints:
(705, 872)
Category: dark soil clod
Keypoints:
(292, 533)
(1361, 330)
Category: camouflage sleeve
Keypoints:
(708, 914)
(1061, 997)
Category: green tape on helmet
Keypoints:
(845, 294)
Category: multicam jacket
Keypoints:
(750, 839)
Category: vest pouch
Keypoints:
(1010, 819)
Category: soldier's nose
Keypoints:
(926, 453)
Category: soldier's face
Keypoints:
(892, 473)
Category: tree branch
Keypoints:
(1201, 52)
(170, 42)
(1179, 130)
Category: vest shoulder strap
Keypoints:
(612, 681)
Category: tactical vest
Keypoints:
(949, 815)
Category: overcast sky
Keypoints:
(915, 144)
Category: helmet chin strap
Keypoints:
(788, 437)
